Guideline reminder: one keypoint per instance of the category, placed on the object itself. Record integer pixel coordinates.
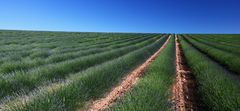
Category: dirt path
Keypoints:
(184, 96)
(124, 85)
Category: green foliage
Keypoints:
(219, 90)
(59, 71)
(26, 81)
(83, 86)
(151, 92)
(231, 61)
(216, 44)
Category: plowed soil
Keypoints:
(124, 85)
(184, 90)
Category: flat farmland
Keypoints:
(68, 71)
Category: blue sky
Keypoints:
(168, 16)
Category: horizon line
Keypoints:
(74, 31)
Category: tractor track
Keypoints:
(184, 91)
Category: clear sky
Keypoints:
(169, 16)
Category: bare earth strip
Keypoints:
(184, 89)
(125, 84)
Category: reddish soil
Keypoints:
(184, 96)
(124, 85)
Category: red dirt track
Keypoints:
(184, 89)
(125, 84)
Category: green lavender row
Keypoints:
(231, 61)
(228, 39)
(152, 90)
(12, 66)
(83, 86)
(219, 90)
(216, 45)
(29, 80)
(58, 50)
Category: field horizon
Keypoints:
(29, 30)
